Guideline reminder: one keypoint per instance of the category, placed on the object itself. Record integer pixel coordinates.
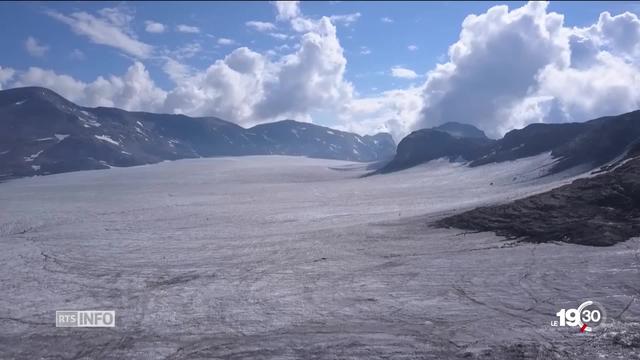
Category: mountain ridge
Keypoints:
(590, 144)
(43, 133)
(461, 130)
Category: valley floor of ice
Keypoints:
(294, 258)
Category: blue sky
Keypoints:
(372, 39)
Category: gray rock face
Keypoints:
(43, 133)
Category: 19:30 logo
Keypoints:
(588, 316)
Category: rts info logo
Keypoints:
(86, 318)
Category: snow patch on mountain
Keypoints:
(107, 139)
(88, 120)
(32, 157)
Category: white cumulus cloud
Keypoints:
(229, 88)
(133, 91)
(187, 29)
(34, 48)
(287, 10)
(5, 75)
(154, 27)
(346, 19)
(403, 73)
(311, 78)
(225, 41)
(261, 25)
(248, 87)
(510, 68)
(393, 111)
(279, 36)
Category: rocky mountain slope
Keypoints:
(43, 133)
(601, 210)
(430, 144)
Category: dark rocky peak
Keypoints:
(460, 130)
(429, 144)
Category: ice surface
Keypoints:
(289, 257)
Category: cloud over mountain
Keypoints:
(135, 90)
(510, 68)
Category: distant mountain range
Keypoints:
(590, 144)
(43, 133)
